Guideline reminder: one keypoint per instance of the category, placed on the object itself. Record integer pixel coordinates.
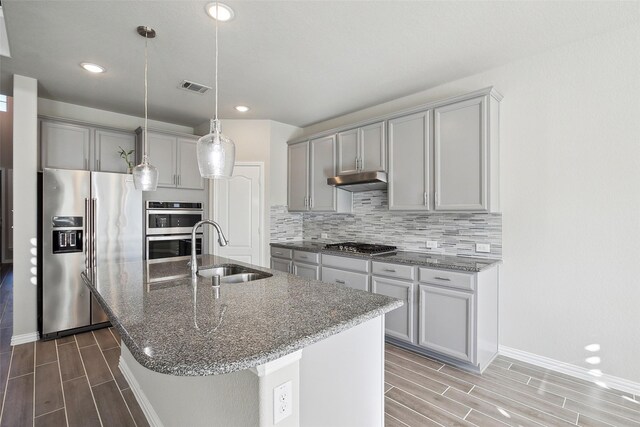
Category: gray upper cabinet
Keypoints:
(323, 166)
(298, 177)
(466, 155)
(409, 162)
(362, 149)
(107, 148)
(175, 156)
(310, 163)
(188, 172)
(69, 145)
(65, 145)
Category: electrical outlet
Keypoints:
(324, 236)
(483, 247)
(432, 244)
(282, 402)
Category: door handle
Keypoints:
(342, 282)
(390, 270)
(442, 278)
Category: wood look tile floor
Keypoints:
(75, 381)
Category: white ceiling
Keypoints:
(297, 62)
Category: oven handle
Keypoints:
(172, 212)
(173, 237)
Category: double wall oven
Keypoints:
(168, 229)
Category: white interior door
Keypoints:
(238, 208)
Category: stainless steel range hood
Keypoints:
(360, 181)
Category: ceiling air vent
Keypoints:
(193, 87)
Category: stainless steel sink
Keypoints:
(233, 273)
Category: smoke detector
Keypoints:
(193, 87)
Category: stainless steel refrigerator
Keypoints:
(88, 220)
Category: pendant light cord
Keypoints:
(215, 117)
(144, 146)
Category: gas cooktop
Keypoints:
(361, 248)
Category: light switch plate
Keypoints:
(432, 244)
(282, 402)
(483, 248)
(324, 236)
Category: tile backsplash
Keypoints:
(371, 221)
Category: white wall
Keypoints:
(570, 156)
(48, 107)
(25, 189)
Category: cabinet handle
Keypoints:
(390, 270)
(310, 202)
(178, 179)
(340, 281)
(446, 279)
(278, 253)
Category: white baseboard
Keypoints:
(145, 405)
(24, 338)
(605, 381)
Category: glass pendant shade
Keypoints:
(216, 154)
(145, 176)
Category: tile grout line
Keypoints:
(64, 399)
(418, 373)
(447, 389)
(434, 404)
(88, 383)
(117, 386)
(395, 401)
(391, 416)
(473, 386)
(35, 354)
(465, 417)
(6, 386)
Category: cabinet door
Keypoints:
(409, 160)
(323, 166)
(188, 174)
(162, 154)
(107, 150)
(373, 147)
(446, 322)
(306, 270)
(65, 146)
(399, 322)
(460, 151)
(347, 148)
(348, 278)
(298, 176)
(281, 265)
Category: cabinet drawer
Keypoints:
(281, 253)
(406, 272)
(350, 279)
(346, 263)
(310, 257)
(448, 278)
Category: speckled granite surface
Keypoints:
(180, 327)
(445, 262)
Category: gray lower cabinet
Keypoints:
(350, 279)
(281, 259)
(399, 323)
(308, 271)
(279, 264)
(446, 322)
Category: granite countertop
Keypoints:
(181, 327)
(445, 262)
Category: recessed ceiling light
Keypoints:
(242, 108)
(223, 14)
(92, 68)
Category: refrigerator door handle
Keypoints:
(87, 231)
(94, 203)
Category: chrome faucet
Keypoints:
(221, 239)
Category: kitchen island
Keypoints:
(195, 354)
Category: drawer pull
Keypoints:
(390, 270)
(278, 253)
(340, 281)
(442, 278)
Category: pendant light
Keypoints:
(216, 151)
(145, 175)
